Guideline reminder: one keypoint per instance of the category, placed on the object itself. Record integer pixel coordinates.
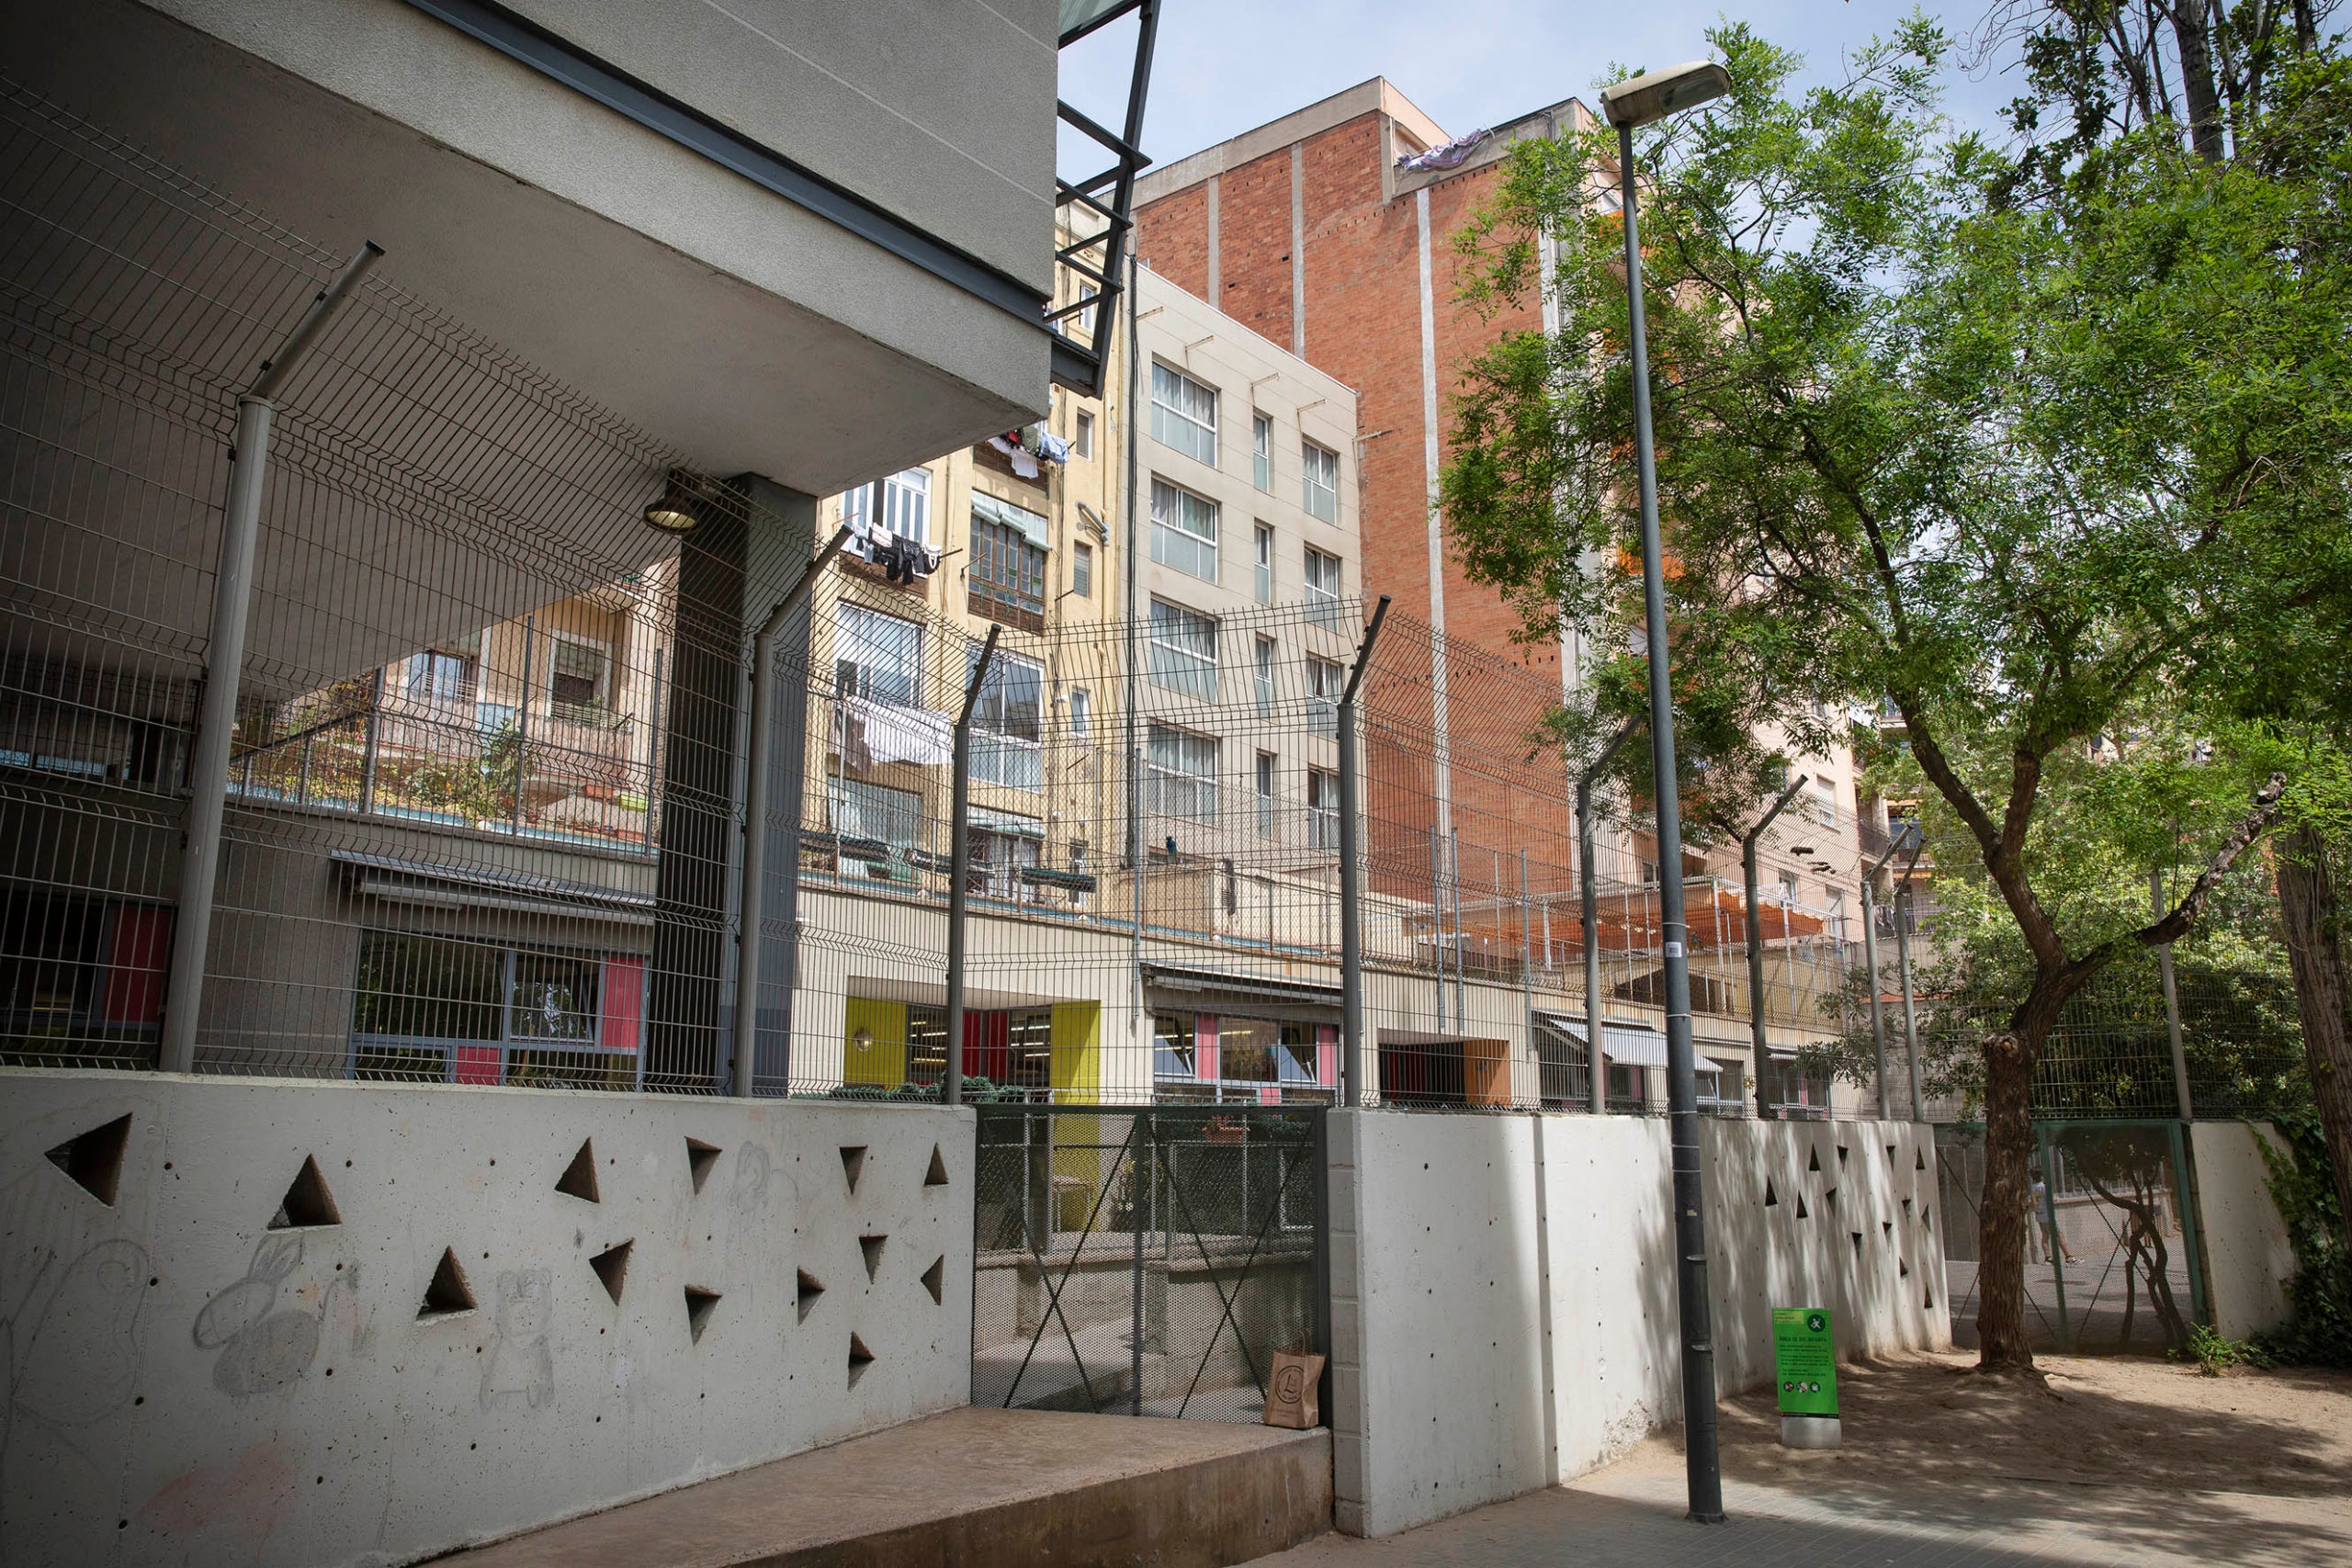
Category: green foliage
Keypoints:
(480, 787)
(2303, 1188)
(2215, 1353)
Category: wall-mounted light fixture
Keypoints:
(674, 511)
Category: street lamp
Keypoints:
(1629, 104)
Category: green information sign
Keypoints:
(1806, 1359)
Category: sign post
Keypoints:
(1805, 1360)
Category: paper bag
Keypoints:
(1291, 1398)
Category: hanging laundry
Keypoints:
(1053, 448)
(1449, 156)
(1024, 465)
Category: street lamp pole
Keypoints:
(1628, 104)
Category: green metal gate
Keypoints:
(1146, 1261)
(2112, 1258)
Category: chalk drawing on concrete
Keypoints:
(521, 1370)
(264, 1348)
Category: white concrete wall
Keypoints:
(2248, 1259)
(189, 1385)
(1503, 1287)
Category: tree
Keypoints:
(1989, 458)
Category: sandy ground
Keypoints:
(2126, 1461)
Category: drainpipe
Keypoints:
(750, 904)
(1756, 933)
(959, 866)
(1597, 1071)
(224, 667)
(1351, 875)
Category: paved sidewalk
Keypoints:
(2136, 1464)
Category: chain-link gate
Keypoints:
(1145, 1262)
(2110, 1260)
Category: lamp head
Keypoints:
(1642, 99)
(674, 511)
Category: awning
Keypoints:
(477, 887)
(1020, 519)
(1627, 1046)
(1213, 983)
(1006, 822)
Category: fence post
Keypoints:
(224, 669)
(523, 717)
(1589, 888)
(1527, 975)
(960, 864)
(2171, 999)
(752, 903)
(1352, 874)
(1910, 1005)
(2057, 1246)
(1750, 876)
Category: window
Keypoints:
(877, 657)
(1322, 809)
(1081, 713)
(872, 811)
(1825, 802)
(906, 505)
(1002, 844)
(1183, 657)
(1262, 674)
(446, 674)
(1787, 887)
(1081, 570)
(1008, 572)
(1321, 483)
(576, 685)
(1261, 571)
(1007, 720)
(1182, 768)
(1322, 588)
(1183, 414)
(1265, 795)
(1171, 1046)
(1081, 442)
(1325, 682)
(1259, 1049)
(429, 1006)
(1183, 531)
(1262, 451)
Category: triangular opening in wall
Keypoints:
(612, 1267)
(446, 1293)
(1902, 1269)
(853, 1166)
(579, 1177)
(934, 1278)
(308, 1202)
(1831, 1197)
(1921, 1156)
(94, 1159)
(1928, 1219)
(1842, 1152)
(860, 1358)
(937, 1175)
(700, 1157)
(1928, 1300)
(1801, 1212)
(1890, 1157)
(1858, 1242)
(1771, 1198)
(1907, 1207)
(698, 1304)
(872, 1247)
(1888, 1227)
(810, 1288)
(1813, 1159)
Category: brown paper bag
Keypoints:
(1291, 1393)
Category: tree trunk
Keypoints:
(2192, 29)
(2308, 912)
(2002, 1217)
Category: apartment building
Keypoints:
(1331, 229)
(1165, 684)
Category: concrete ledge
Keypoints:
(975, 1488)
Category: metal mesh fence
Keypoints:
(485, 812)
(1144, 1264)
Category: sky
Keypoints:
(1224, 66)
